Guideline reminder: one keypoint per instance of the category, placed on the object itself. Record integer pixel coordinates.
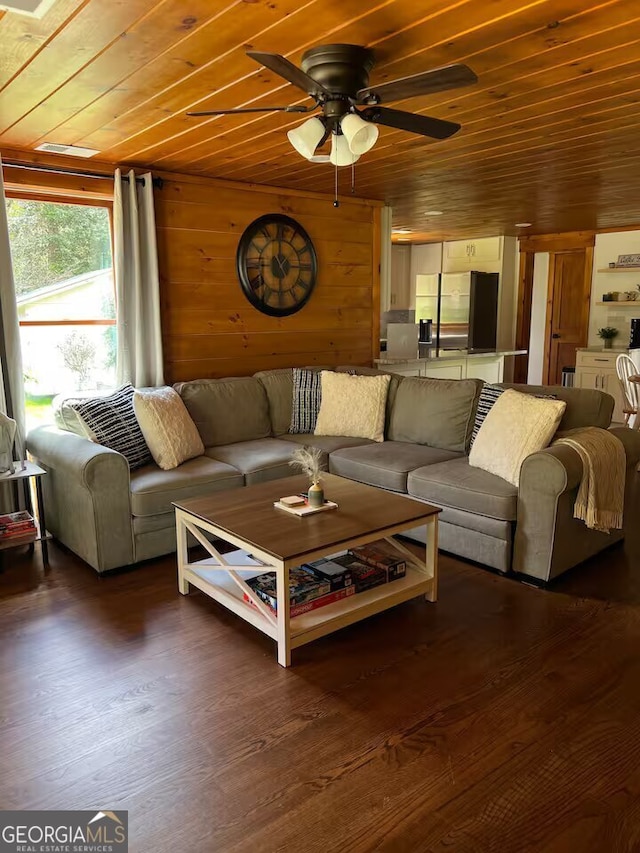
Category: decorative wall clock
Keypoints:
(276, 264)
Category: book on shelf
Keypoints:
(383, 555)
(15, 524)
(314, 604)
(21, 517)
(305, 509)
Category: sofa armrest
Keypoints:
(548, 539)
(87, 496)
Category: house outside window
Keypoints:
(65, 296)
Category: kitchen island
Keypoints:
(450, 364)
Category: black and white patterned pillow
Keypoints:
(486, 401)
(112, 420)
(307, 394)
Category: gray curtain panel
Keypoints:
(11, 376)
(135, 264)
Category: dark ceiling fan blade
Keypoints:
(289, 71)
(436, 80)
(294, 109)
(413, 122)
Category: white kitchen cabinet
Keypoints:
(488, 369)
(444, 370)
(597, 370)
(483, 254)
(402, 371)
(400, 294)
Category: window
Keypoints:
(65, 296)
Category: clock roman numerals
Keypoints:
(276, 264)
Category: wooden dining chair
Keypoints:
(625, 368)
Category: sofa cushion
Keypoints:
(259, 461)
(385, 465)
(171, 435)
(437, 412)
(326, 443)
(353, 405)
(305, 400)
(456, 484)
(227, 410)
(112, 422)
(278, 385)
(516, 426)
(153, 490)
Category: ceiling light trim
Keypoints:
(31, 8)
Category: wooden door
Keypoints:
(569, 295)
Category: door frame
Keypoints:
(588, 275)
(529, 246)
(523, 317)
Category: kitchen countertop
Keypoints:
(617, 350)
(448, 355)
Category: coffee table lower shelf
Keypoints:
(316, 623)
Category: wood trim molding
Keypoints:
(62, 162)
(523, 316)
(568, 242)
(375, 281)
(548, 321)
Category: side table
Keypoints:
(30, 470)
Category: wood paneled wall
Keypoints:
(210, 329)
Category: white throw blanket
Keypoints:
(600, 499)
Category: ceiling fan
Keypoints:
(336, 76)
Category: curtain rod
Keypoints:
(76, 173)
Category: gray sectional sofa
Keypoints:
(112, 517)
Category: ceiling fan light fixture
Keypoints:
(306, 137)
(341, 154)
(361, 135)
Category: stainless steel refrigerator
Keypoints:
(463, 308)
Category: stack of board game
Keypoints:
(308, 590)
(14, 525)
(371, 565)
(333, 578)
(384, 556)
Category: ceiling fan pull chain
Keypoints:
(336, 203)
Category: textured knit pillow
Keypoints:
(111, 421)
(171, 435)
(306, 400)
(353, 405)
(488, 397)
(517, 426)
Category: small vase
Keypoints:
(316, 495)
(608, 342)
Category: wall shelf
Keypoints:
(624, 303)
(620, 269)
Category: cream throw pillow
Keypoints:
(517, 426)
(171, 435)
(353, 405)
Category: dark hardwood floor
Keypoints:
(503, 718)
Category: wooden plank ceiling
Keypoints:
(550, 133)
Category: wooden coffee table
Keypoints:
(247, 519)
